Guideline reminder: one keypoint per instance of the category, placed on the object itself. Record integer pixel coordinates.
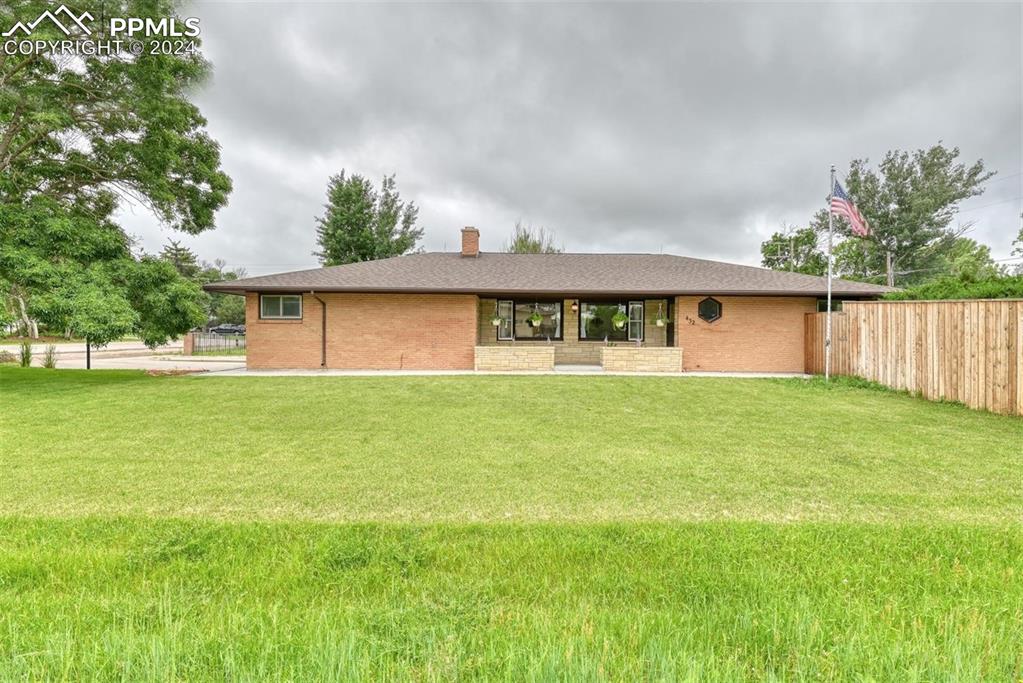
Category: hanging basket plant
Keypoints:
(535, 320)
(619, 320)
(497, 321)
(660, 319)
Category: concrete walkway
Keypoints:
(243, 372)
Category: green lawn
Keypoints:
(515, 528)
(236, 351)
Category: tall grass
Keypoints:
(25, 353)
(143, 600)
(50, 357)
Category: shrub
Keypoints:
(50, 357)
(7, 357)
(25, 353)
(1005, 287)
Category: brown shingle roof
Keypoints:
(561, 274)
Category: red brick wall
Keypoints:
(754, 334)
(368, 331)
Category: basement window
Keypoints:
(280, 306)
(709, 310)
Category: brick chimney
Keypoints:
(470, 241)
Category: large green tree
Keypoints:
(76, 274)
(910, 201)
(74, 128)
(526, 239)
(361, 223)
(968, 260)
(78, 136)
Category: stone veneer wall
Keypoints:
(520, 357)
(571, 350)
(641, 359)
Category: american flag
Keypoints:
(841, 205)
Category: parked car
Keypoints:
(228, 329)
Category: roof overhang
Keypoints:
(227, 288)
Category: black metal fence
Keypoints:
(207, 343)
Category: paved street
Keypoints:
(131, 355)
(70, 348)
(152, 362)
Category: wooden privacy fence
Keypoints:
(967, 351)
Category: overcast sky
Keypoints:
(693, 129)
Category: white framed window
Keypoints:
(505, 311)
(635, 321)
(280, 306)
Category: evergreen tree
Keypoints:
(182, 258)
(362, 224)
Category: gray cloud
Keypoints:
(690, 128)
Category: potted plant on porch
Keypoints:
(660, 319)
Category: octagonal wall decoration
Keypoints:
(709, 309)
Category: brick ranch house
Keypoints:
(490, 311)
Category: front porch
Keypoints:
(594, 333)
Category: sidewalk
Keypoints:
(243, 372)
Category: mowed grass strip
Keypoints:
(463, 449)
(712, 601)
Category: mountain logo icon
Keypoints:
(69, 20)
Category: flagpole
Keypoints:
(827, 332)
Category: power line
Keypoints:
(984, 206)
(1001, 177)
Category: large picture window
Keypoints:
(280, 306)
(597, 320)
(537, 320)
